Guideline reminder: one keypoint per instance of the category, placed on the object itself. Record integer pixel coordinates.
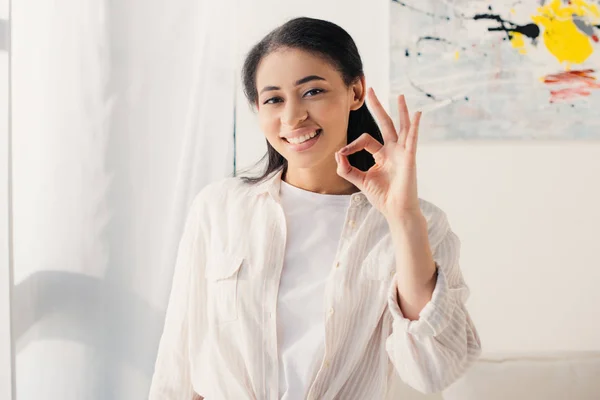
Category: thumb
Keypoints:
(348, 172)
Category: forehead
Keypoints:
(285, 66)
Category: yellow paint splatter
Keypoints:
(561, 36)
(518, 42)
(456, 55)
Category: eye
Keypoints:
(273, 100)
(313, 92)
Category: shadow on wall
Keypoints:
(114, 322)
(3, 35)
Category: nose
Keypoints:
(293, 114)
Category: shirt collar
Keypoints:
(270, 185)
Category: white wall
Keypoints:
(527, 213)
(5, 357)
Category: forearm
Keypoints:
(415, 267)
(432, 352)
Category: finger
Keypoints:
(385, 122)
(348, 172)
(413, 134)
(364, 141)
(404, 120)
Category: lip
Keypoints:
(300, 132)
(306, 145)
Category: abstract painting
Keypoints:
(505, 69)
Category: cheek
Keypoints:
(331, 115)
(269, 124)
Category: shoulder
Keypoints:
(437, 220)
(431, 211)
(221, 192)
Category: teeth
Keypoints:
(302, 139)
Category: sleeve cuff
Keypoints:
(433, 318)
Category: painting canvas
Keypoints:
(505, 69)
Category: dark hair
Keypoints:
(335, 45)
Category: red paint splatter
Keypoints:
(595, 38)
(567, 94)
(579, 84)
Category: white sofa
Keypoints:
(542, 376)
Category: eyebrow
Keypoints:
(298, 82)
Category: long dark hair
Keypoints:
(335, 45)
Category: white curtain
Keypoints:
(5, 342)
(122, 111)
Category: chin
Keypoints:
(306, 161)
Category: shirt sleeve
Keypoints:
(432, 352)
(172, 376)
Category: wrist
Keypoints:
(406, 220)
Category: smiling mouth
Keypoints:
(318, 132)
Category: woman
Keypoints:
(326, 277)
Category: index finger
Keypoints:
(385, 122)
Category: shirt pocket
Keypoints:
(222, 275)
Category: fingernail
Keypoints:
(337, 157)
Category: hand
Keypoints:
(391, 184)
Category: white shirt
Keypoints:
(314, 225)
(220, 334)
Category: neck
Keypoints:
(318, 180)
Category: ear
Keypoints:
(359, 90)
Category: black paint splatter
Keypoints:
(532, 31)
(439, 39)
(435, 39)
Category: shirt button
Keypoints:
(326, 363)
(351, 223)
(357, 199)
(331, 311)
(337, 264)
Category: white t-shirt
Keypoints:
(314, 225)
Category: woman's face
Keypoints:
(300, 94)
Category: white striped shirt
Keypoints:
(220, 333)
